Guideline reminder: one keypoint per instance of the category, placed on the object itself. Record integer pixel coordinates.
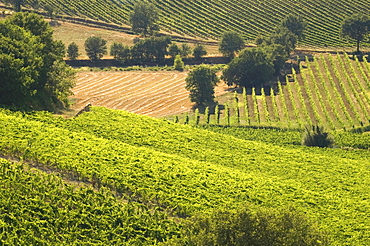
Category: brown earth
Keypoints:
(154, 94)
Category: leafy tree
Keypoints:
(199, 51)
(33, 73)
(295, 24)
(52, 50)
(178, 63)
(121, 52)
(150, 49)
(72, 51)
(284, 37)
(253, 67)
(95, 47)
(144, 17)
(200, 82)
(185, 50)
(243, 227)
(316, 136)
(277, 54)
(356, 27)
(173, 50)
(230, 43)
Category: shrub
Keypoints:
(316, 136)
(286, 227)
(178, 63)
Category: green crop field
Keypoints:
(184, 170)
(209, 19)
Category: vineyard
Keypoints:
(209, 19)
(329, 90)
(183, 170)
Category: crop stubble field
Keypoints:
(150, 93)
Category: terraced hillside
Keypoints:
(210, 19)
(185, 170)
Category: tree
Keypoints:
(317, 137)
(150, 49)
(253, 67)
(173, 50)
(121, 53)
(72, 51)
(199, 51)
(143, 18)
(178, 64)
(200, 82)
(185, 50)
(32, 71)
(230, 43)
(295, 24)
(95, 47)
(284, 37)
(356, 27)
(277, 54)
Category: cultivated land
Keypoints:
(111, 177)
(182, 170)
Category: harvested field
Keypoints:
(154, 94)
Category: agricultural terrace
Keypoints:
(210, 19)
(184, 170)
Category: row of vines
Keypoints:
(209, 19)
(331, 90)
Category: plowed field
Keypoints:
(150, 93)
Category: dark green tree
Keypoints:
(178, 64)
(32, 71)
(284, 37)
(185, 50)
(253, 67)
(277, 54)
(200, 82)
(95, 47)
(143, 18)
(356, 27)
(295, 24)
(317, 137)
(151, 49)
(72, 51)
(230, 43)
(121, 53)
(173, 50)
(199, 51)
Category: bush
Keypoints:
(199, 51)
(317, 137)
(178, 63)
(244, 227)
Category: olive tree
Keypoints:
(356, 27)
(72, 51)
(95, 47)
(230, 43)
(143, 18)
(200, 82)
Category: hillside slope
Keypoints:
(184, 170)
(211, 18)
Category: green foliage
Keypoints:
(283, 36)
(357, 27)
(230, 43)
(295, 24)
(151, 49)
(316, 136)
(179, 168)
(253, 67)
(95, 47)
(144, 17)
(178, 63)
(200, 82)
(199, 51)
(29, 56)
(173, 50)
(40, 209)
(285, 227)
(185, 50)
(121, 53)
(72, 51)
